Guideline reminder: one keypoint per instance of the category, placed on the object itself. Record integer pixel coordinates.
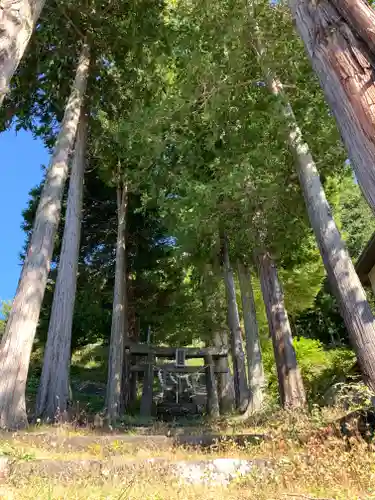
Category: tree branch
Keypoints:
(76, 29)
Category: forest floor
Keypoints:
(294, 456)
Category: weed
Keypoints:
(16, 453)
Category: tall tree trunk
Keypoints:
(225, 380)
(219, 338)
(53, 393)
(339, 39)
(292, 393)
(238, 355)
(341, 273)
(19, 335)
(116, 348)
(17, 22)
(253, 351)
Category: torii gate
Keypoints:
(213, 359)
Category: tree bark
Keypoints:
(292, 393)
(213, 408)
(341, 273)
(255, 370)
(116, 348)
(53, 393)
(238, 356)
(17, 22)
(225, 384)
(339, 38)
(361, 17)
(19, 335)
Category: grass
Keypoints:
(330, 472)
(309, 460)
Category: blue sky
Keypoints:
(22, 158)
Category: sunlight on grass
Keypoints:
(90, 356)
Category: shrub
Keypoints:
(320, 368)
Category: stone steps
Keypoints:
(162, 442)
(114, 457)
(218, 471)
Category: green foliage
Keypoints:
(221, 149)
(322, 321)
(5, 307)
(286, 56)
(197, 135)
(321, 368)
(160, 295)
(355, 216)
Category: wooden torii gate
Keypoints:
(213, 365)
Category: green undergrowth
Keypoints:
(321, 369)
